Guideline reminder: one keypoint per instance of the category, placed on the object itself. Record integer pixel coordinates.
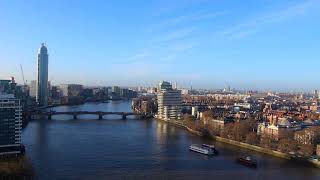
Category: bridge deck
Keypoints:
(85, 112)
(75, 114)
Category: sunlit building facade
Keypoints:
(42, 83)
(169, 102)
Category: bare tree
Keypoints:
(307, 149)
(287, 145)
(208, 114)
(267, 142)
(214, 130)
(188, 121)
(252, 138)
(228, 132)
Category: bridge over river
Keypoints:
(100, 114)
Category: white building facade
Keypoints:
(169, 102)
(33, 88)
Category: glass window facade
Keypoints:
(10, 123)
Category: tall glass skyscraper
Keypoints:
(42, 88)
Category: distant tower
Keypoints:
(316, 94)
(175, 85)
(42, 83)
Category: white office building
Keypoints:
(70, 90)
(33, 88)
(195, 111)
(169, 102)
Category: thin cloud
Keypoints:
(166, 46)
(182, 47)
(168, 6)
(157, 55)
(250, 27)
(191, 18)
(178, 34)
(132, 59)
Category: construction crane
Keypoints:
(24, 82)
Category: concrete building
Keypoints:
(152, 90)
(42, 86)
(70, 90)
(195, 111)
(216, 124)
(10, 125)
(33, 88)
(169, 102)
(228, 96)
(272, 131)
(124, 92)
(116, 90)
(55, 92)
(7, 86)
(164, 85)
(71, 94)
(277, 128)
(243, 105)
(316, 94)
(11, 87)
(4, 85)
(184, 91)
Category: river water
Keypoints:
(87, 148)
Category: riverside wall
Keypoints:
(242, 145)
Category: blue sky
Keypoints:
(253, 44)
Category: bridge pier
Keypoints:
(124, 117)
(49, 117)
(75, 116)
(28, 116)
(100, 116)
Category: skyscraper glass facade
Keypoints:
(42, 88)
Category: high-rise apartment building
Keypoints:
(316, 94)
(8, 86)
(42, 86)
(169, 102)
(10, 125)
(70, 90)
(33, 88)
(116, 90)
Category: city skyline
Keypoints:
(200, 43)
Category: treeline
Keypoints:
(246, 131)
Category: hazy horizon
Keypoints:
(264, 45)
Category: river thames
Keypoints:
(87, 148)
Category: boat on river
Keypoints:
(247, 161)
(201, 149)
(212, 147)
